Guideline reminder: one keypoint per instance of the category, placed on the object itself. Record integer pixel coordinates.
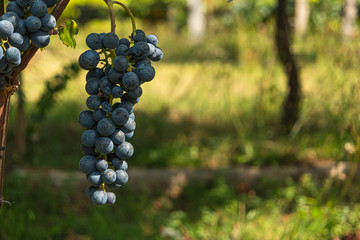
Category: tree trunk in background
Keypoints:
(282, 38)
(302, 14)
(196, 20)
(349, 18)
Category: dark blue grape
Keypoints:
(139, 36)
(92, 86)
(130, 81)
(117, 92)
(121, 63)
(95, 73)
(153, 39)
(102, 165)
(32, 24)
(104, 145)
(106, 107)
(93, 102)
(104, 82)
(132, 116)
(20, 27)
(122, 50)
(13, 55)
(120, 116)
(40, 39)
(6, 28)
(109, 176)
(13, 7)
(140, 50)
(24, 3)
(89, 59)
(90, 191)
(151, 49)
(120, 164)
(118, 137)
(157, 56)
(111, 198)
(129, 135)
(125, 42)
(135, 93)
(110, 40)
(50, 3)
(115, 76)
(87, 164)
(48, 22)
(89, 137)
(106, 127)
(88, 150)
(25, 45)
(106, 91)
(121, 177)
(129, 126)
(86, 119)
(145, 72)
(38, 8)
(16, 39)
(99, 114)
(143, 61)
(94, 41)
(95, 179)
(11, 17)
(124, 150)
(127, 105)
(99, 197)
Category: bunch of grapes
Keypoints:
(25, 22)
(114, 89)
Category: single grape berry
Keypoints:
(95, 73)
(16, 39)
(48, 22)
(92, 86)
(99, 197)
(13, 55)
(106, 127)
(93, 102)
(6, 28)
(110, 40)
(109, 176)
(153, 39)
(90, 191)
(95, 179)
(89, 59)
(38, 8)
(130, 81)
(98, 114)
(102, 165)
(121, 177)
(86, 119)
(121, 63)
(87, 164)
(120, 116)
(14, 7)
(94, 41)
(124, 150)
(111, 198)
(118, 137)
(145, 72)
(89, 137)
(104, 145)
(40, 39)
(20, 27)
(32, 24)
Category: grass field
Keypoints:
(217, 104)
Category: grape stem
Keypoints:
(110, 5)
(130, 15)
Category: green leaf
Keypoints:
(67, 33)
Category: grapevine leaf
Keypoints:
(67, 33)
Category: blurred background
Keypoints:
(248, 131)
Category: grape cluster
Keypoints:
(25, 22)
(114, 89)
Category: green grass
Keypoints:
(218, 210)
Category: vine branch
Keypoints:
(110, 5)
(130, 15)
(6, 93)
